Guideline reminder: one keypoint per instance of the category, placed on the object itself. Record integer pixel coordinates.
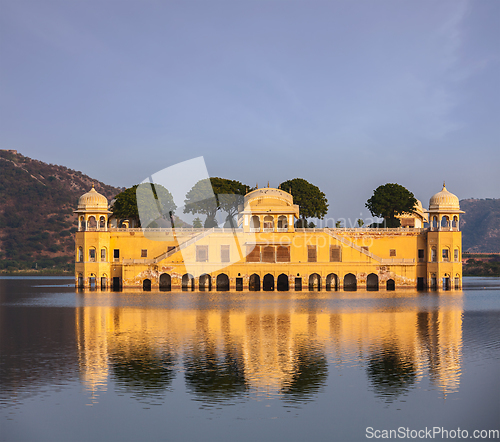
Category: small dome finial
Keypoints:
(268, 184)
(257, 185)
(444, 184)
(92, 185)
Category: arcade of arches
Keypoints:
(269, 282)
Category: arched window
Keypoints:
(102, 222)
(82, 224)
(455, 222)
(283, 222)
(80, 254)
(103, 254)
(104, 281)
(268, 223)
(456, 255)
(446, 254)
(255, 223)
(434, 222)
(92, 253)
(445, 222)
(92, 223)
(433, 254)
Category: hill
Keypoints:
(480, 225)
(37, 222)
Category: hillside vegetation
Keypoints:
(37, 222)
(480, 225)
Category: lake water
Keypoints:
(298, 366)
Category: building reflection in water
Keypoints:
(224, 354)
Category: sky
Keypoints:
(349, 95)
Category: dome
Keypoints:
(444, 201)
(92, 200)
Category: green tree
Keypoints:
(154, 202)
(312, 202)
(360, 222)
(338, 224)
(209, 195)
(197, 224)
(390, 200)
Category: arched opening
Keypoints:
(103, 254)
(314, 282)
(222, 282)
(165, 282)
(372, 282)
(104, 282)
(205, 282)
(80, 281)
(457, 281)
(268, 223)
(434, 222)
(445, 222)
(255, 223)
(81, 223)
(80, 254)
(92, 281)
(433, 281)
(390, 284)
(102, 222)
(254, 283)
(446, 282)
(434, 254)
(350, 283)
(455, 222)
(282, 283)
(332, 282)
(92, 223)
(187, 282)
(268, 283)
(92, 253)
(282, 222)
(146, 285)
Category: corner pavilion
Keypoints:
(266, 252)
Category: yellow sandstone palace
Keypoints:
(266, 251)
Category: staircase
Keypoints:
(183, 245)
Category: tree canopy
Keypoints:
(312, 202)
(155, 202)
(390, 200)
(209, 195)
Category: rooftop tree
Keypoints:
(312, 202)
(391, 200)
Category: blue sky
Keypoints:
(346, 94)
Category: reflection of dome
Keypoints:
(93, 200)
(444, 201)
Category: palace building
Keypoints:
(267, 252)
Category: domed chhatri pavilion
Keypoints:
(267, 252)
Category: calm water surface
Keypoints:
(245, 366)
